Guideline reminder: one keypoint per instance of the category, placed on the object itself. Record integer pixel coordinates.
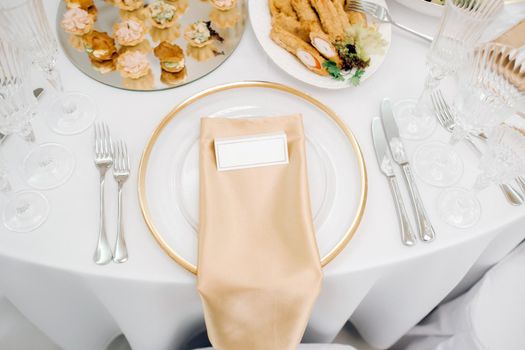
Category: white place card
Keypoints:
(252, 151)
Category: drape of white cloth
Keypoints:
(386, 288)
(314, 347)
(490, 316)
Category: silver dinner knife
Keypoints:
(425, 229)
(385, 165)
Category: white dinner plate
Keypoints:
(169, 170)
(261, 21)
(423, 6)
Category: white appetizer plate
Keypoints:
(262, 24)
(169, 170)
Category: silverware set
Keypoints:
(107, 155)
(381, 14)
(387, 133)
(445, 116)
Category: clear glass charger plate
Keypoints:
(169, 168)
(199, 61)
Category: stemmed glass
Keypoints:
(490, 90)
(462, 25)
(24, 22)
(503, 160)
(26, 210)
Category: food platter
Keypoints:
(262, 22)
(198, 61)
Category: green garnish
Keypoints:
(333, 70)
(356, 78)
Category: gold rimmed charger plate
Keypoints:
(361, 168)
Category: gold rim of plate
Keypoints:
(143, 201)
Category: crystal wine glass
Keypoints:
(462, 25)
(47, 165)
(24, 211)
(24, 22)
(503, 160)
(491, 89)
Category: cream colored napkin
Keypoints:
(258, 264)
(514, 37)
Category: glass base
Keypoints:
(437, 164)
(72, 113)
(48, 166)
(413, 124)
(459, 207)
(25, 212)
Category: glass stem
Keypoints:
(53, 77)
(423, 101)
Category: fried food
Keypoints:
(322, 43)
(306, 53)
(292, 25)
(99, 45)
(330, 20)
(356, 17)
(343, 17)
(171, 57)
(282, 6)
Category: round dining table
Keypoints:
(381, 286)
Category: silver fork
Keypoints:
(103, 161)
(381, 14)
(446, 119)
(121, 170)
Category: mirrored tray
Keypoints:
(229, 25)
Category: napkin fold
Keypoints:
(514, 37)
(259, 272)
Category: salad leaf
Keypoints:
(356, 78)
(333, 70)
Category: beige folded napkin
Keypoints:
(258, 265)
(514, 37)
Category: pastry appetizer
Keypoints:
(200, 34)
(306, 53)
(133, 64)
(99, 45)
(129, 32)
(128, 5)
(225, 19)
(75, 41)
(171, 57)
(168, 34)
(203, 53)
(223, 5)
(140, 14)
(162, 14)
(170, 78)
(146, 82)
(77, 21)
(83, 4)
(104, 66)
(180, 5)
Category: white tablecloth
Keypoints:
(384, 287)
